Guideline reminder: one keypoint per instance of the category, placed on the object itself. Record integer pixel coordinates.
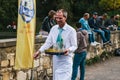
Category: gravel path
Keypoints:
(107, 70)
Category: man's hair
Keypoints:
(51, 13)
(105, 14)
(64, 12)
(86, 14)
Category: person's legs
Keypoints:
(107, 34)
(76, 64)
(91, 38)
(102, 34)
(82, 65)
(79, 60)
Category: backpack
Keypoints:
(117, 52)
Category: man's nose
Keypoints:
(57, 19)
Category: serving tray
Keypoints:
(54, 52)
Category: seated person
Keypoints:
(48, 21)
(94, 24)
(111, 23)
(85, 26)
(102, 21)
(117, 20)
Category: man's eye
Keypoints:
(58, 18)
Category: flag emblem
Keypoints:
(26, 10)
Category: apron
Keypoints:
(62, 67)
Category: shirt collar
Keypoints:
(64, 27)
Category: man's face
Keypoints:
(60, 19)
(104, 17)
(87, 17)
(95, 16)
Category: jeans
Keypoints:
(102, 34)
(107, 34)
(91, 37)
(79, 60)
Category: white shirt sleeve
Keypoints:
(73, 41)
(47, 44)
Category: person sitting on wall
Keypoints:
(94, 24)
(102, 20)
(111, 23)
(49, 21)
(85, 26)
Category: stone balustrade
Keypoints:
(43, 65)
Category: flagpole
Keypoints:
(32, 71)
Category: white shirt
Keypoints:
(69, 38)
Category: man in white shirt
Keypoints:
(62, 64)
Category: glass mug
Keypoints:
(57, 47)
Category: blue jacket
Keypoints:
(85, 25)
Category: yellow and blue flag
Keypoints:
(25, 34)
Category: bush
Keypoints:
(98, 58)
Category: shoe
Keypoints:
(96, 43)
(110, 43)
(106, 42)
(92, 44)
(103, 46)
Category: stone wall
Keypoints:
(115, 39)
(43, 65)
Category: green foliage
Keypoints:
(109, 5)
(80, 7)
(38, 25)
(65, 4)
(75, 8)
(93, 60)
(8, 11)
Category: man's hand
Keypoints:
(66, 52)
(36, 54)
(107, 28)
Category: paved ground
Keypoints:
(108, 70)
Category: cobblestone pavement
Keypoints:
(107, 70)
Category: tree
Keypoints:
(109, 5)
(75, 8)
(8, 11)
(65, 4)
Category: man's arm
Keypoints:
(73, 40)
